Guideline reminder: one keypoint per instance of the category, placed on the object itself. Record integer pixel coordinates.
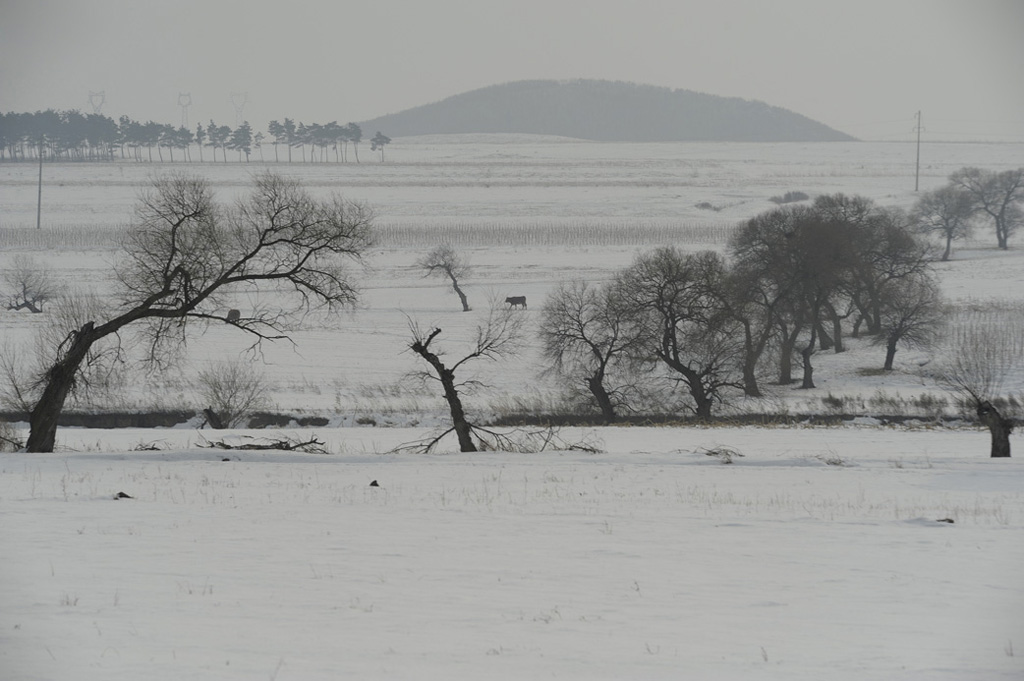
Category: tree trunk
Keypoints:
(808, 380)
(837, 333)
(752, 352)
(949, 248)
(824, 339)
(463, 429)
(604, 400)
(786, 355)
(60, 379)
(890, 353)
(750, 387)
(856, 326)
(1001, 233)
(462, 296)
(874, 319)
(805, 354)
(701, 399)
(999, 427)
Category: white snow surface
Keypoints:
(818, 553)
(652, 560)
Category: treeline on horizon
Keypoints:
(74, 136)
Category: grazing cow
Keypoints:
(234, 315)
(516, 301)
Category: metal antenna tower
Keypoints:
(239, 100)
(184, 101)
(97, 100)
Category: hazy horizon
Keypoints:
(864, 69)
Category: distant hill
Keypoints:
(605, 111)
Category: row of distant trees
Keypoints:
(798, 280)
(697, 330)
(74, 136)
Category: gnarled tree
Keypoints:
(443, 261)
(497, 336)
(184, 250)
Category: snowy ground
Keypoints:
(817, 554)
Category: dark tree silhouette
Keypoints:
(185, 250)
(997, 195)
(584, 331)
(681, 322)
(443, 261)
(912, 317)
(947, 212)
(497, 336)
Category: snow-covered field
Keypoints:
(817, 554)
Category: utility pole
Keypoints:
(39, 199)
(917, 166)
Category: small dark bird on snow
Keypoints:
(374, 484)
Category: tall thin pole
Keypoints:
(917, 166)
(39, 199)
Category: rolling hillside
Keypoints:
(607, 112)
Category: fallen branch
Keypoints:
(520, 441)
(310, 446)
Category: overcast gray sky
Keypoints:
(863, 66)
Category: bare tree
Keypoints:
(983, 351)
(947, 212)
(497, 336)
(913, 316)
(30, 284)
(584, 330)
(681, 322)
(443, 261)
(997, 195)
(233, 390)
(185, 250)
